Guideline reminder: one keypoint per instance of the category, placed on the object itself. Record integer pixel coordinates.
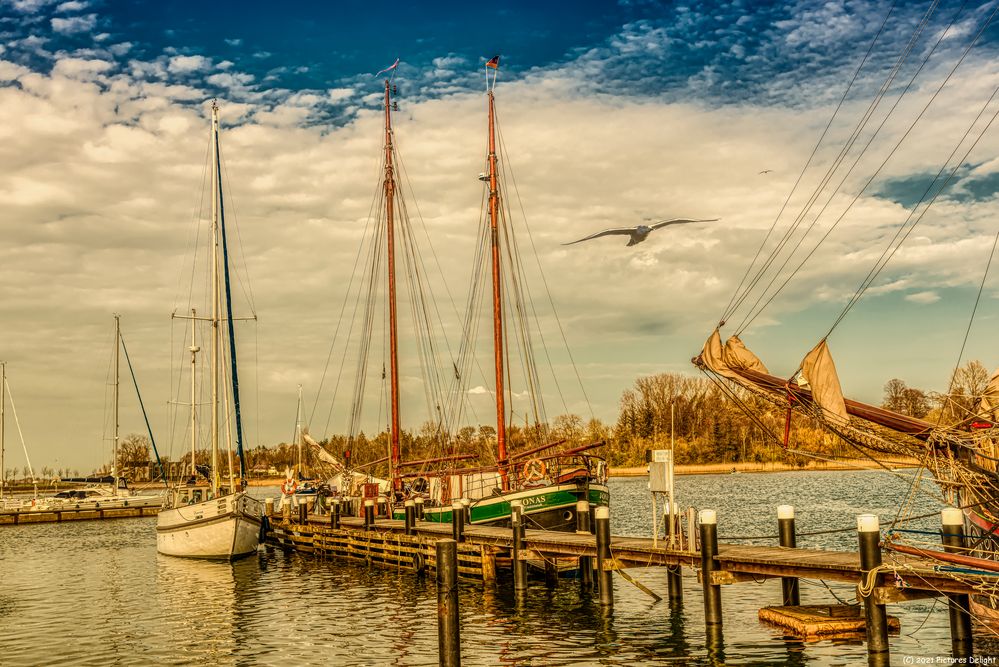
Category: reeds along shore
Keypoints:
(769, 466)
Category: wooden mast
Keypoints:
(395, 454)
(494, 204)
(194, 349)
(3, 401)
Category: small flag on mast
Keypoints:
(493, 62)
(389, 68)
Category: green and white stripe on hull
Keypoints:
(497, 508)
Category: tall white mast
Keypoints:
(216, 329)
(117, 355)
(194, 392)
(3, 400)
(298, 430)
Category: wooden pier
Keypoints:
(28, 516)
(484, 550)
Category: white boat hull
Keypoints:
(222, 528)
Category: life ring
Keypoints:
(535, 470)
(289, 487)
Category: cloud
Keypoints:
(72, 6)
(923, 297)
(74, 24)
(188, 64)
(234, 42)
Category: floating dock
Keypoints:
(26, 516)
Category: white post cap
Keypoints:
(582, 505)
(369, 503)
(456, 505)
(951, 516)
(709, 517)
(868, 523)
(419, 500)
(515, 503)
(465, 502)
(409, 503)
(785, 511)
(381, 499)
(601, 512)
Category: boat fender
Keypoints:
(535, 470)
(289, 487)
(419, 564)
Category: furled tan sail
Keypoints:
(820, 371)
(713, 356)
(738, 357)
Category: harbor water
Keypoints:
(97, 593)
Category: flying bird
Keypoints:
(639, 233)
(766, 171)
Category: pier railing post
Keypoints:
(419, 509)
(959, 605)
(786, 533)
(709, 549)
(269, 506)
(869, 535)
(458, 521)
(448, 635)
(583, 528)
(519, 566)
(605, 576)
(383, 506)
(303, 511)
(335, 514)
(410, 516)
(466, 506)
(369, 514)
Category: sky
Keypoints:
(612, 113)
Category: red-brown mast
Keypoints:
(393, 327)
(497, 297)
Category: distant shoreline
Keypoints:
(772, 466)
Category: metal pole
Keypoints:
(419, 509)
(869, 536)
(786, 533)
(959, 605)
(448, 626)
(369, 514)
(709, 549)
(410, 516)
(457, 521)
(604, 573)
(519, 566)
(583, 528)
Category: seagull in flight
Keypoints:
(640, 232)
(766, 171)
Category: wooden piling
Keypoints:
(269, 506)
(448, 633)
(335, 515)
(605, 575)
(869, 537)
(419, 509)
(466, 507)
(959, 606)
(709, 549)
(583, 528)
(457, 521)
(410, 507)
(519, 566)
(786, 533)
(369, 514)
(303, 512)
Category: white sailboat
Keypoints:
(206, 518)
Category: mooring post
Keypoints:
(786, 534)
(583, 528)
(605, 575)
(383, 506)
(869, 535)
(369, 514)
(303, 512)
(959, 605)
(419, 508)
(448, 636)
(466, 506)
(335, 514)
(269, 506)
(709, 549)
(457, 521)
(519, 566)
(410, 516)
